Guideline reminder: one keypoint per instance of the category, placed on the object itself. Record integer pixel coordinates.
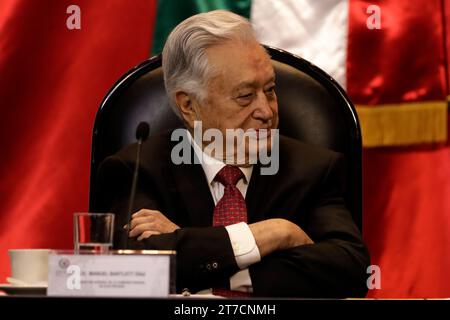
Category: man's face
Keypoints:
(242, 94)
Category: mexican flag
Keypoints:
(390, 55)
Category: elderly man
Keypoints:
(236, 230)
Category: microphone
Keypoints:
(142, 132)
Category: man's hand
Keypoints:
(277, 234)
(146, 223)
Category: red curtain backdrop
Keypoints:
(52, 81)
(406, 202)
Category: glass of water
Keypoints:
(93, 232)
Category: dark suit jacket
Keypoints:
(307, 190)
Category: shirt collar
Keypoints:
(211, 166)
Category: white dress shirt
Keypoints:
(243, 243)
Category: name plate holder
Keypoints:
(118, 273)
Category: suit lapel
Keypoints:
(258, 193)
(193, 189)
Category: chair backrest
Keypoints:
(312, 108)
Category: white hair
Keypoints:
(184, 61)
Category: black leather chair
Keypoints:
(312, 108)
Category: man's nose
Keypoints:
(263, 109)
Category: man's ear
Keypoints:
(185, 103)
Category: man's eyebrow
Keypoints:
(247, 84)
(272, 78)
(244, 84)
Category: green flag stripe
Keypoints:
(172, 12)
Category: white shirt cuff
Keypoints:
(244, 245)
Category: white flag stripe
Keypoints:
(315, 30)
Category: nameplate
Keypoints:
(127, 273)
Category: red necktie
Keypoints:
(230, 209)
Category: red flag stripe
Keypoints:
(404, 61)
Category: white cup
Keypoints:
(29, 266)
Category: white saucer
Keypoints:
(27, 290)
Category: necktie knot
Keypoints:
(229, 175)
